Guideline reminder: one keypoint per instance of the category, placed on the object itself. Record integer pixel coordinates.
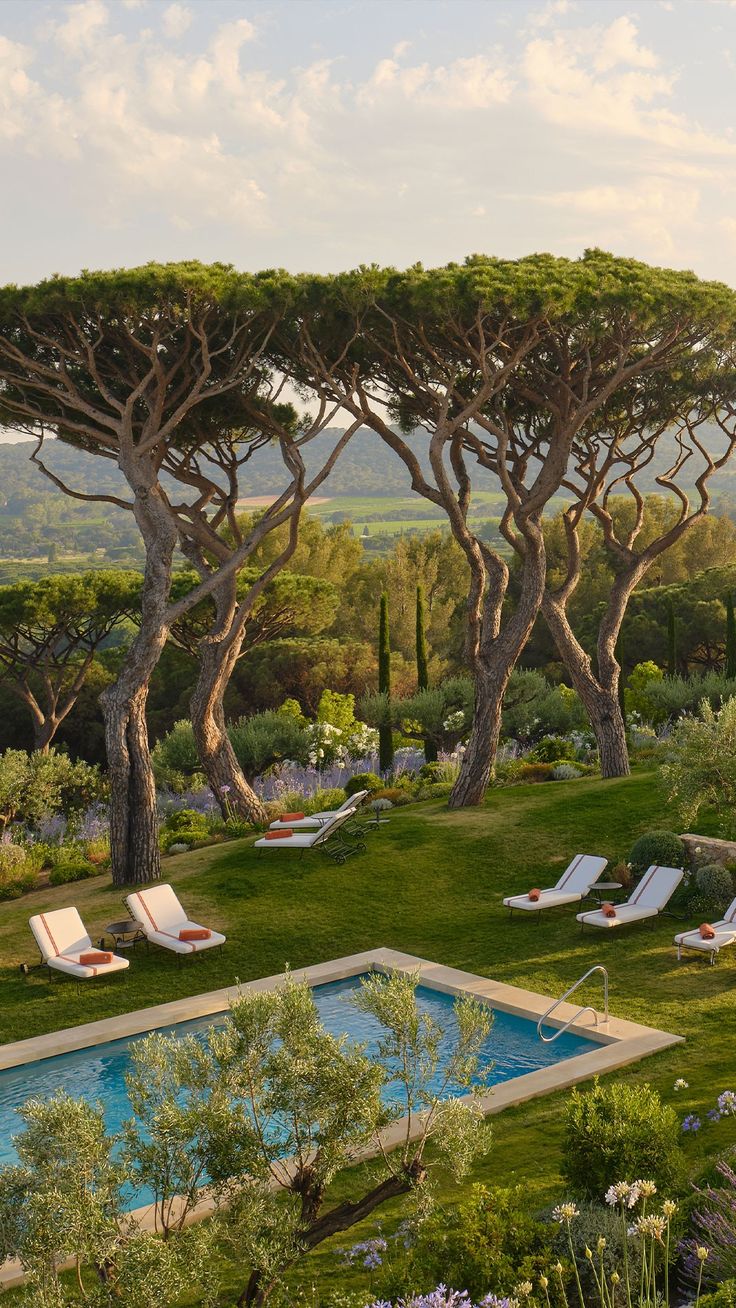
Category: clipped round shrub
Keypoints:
(363, 781)
(714, 887)
(12, 857)
(178, 847)
(618, 1132)
(551, 749)
(73, 870)
(662, 847)
(566, 772)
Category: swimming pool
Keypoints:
(98, 1074)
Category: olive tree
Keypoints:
(266, 1111)
(271, 1108)
(50, 632)
(162, 370)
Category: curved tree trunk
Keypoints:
(599, 696)
(479, 758)
(216, 754)
(134, 849)
(134, 846)
(495, 656)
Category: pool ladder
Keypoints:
(586, 1009)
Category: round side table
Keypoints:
(125, 933)
(602, 890)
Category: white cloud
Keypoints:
(475, 82)
(224, 148)
(82, 26)
(176, 20)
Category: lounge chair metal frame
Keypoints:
(729, 937)
(651, 913)
(338, 839)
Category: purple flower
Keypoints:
(691, 1122)
(224, 790)
(367, 1252)
(714, 1115)
(727, 1103)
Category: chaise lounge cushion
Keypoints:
(162, 920)
(64, 943)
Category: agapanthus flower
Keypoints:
(681, 1083)
(713, 1115)
(618, 1193)
(652, 1225)
(727, 1103)
(691, 1122)
(565, 1212)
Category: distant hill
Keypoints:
(39, 523)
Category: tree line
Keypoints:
(555, 376)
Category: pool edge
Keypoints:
(622, 1042)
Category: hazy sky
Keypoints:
(319, 134)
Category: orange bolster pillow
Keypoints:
(534, 895)
(608, 910)
(291, 817)
(195, 933)
(279, 835)
(94, 957)
(706, 931)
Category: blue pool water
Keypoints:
(98, 1074)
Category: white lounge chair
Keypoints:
(572, 886)
(317, 820)
(339, 848)
(162, 921)
(62, 939)
(652, 894)
(725, 934)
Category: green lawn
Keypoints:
(430, 883)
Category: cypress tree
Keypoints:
(730, 638)
(671, 639)
(385, 733)
(430, 749)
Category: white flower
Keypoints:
(681, 1084)
(565, 1212)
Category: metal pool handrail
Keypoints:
(586, 1009)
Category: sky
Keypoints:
(322, 134)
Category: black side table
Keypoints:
(125, 933)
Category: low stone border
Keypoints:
(621, 1042)
(716, 851)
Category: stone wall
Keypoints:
(711, 850)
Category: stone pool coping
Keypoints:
(621, 1042)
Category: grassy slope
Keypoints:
(431, 884)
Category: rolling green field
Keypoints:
(431, 883)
